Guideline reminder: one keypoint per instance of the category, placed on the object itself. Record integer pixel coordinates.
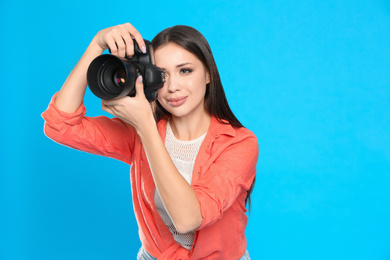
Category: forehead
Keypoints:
(172, 54)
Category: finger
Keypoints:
(120, 43)
(110, 102)
(126, 36)
(111, 45)
(107, 108)
(139, 87)
(137, 36)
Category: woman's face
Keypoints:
(186, 79)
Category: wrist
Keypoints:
(146, 128)
(95, 47)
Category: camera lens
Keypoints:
(113, 77)
(120, 78)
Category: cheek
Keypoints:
(160, 95)
(161, 91)
(199, 86)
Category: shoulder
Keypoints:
(223, 128)
(245, 141)
(244, 132)
(234, 139)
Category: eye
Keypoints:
(164, 76)
(185, 71)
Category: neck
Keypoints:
(190, 128)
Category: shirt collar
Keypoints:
(221, 127)
(217, 128)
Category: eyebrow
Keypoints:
(179, 65)
(183, 64)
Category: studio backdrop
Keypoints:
(310, 78)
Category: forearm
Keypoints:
(72, 92)
(177, 195)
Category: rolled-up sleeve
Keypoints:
(227, 179)
(98, 135)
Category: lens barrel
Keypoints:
(110, 77)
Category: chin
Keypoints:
(178, 113)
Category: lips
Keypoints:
(175, 102)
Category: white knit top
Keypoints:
(183, 155)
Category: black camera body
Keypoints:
(110, 77)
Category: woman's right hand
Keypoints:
(119, 39)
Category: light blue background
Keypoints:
(309, 78)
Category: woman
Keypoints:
(192, 162)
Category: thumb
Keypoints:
(139, 86)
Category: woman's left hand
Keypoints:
(136, 110)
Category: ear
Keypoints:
(207, 77)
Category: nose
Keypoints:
(172, 85)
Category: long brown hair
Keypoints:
(215, 99)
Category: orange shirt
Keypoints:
(223, 172)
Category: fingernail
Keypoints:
(140, 79)
(143, 49)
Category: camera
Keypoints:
(110, 77)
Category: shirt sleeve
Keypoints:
(228, 178)
(98, 135)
